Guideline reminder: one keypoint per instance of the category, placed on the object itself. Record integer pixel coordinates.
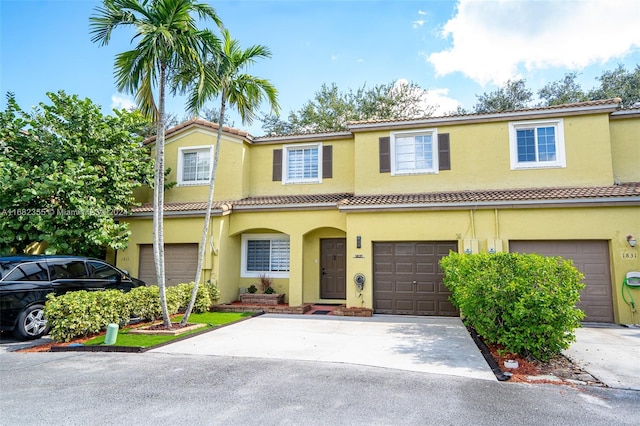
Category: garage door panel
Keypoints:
(413, 278)
(425, 249)
(181, 263)
(591, 257)
(404, 250)
(426, 287)
(404, 287)
(404, 268)
(425, 268)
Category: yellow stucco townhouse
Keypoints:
(385, 200)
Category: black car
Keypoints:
(26, 280)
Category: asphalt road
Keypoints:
(169, 389)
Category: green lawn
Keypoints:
(212, 319)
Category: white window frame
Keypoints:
(559, 162)
(191, 149)
(435, 167)
(286, 179)
(244, 273)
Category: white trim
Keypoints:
(244, 273)
(434, 169)
(188, 149)
(285, 162)
(559, 162)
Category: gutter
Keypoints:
(285, 207)
(617, 201)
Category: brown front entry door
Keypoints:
(333, 268)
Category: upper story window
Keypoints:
(414, 152)
(537, 144)
(194, 165)
(302, 163)
(265, 254)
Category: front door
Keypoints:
(333, 268)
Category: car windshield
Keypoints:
(6, 267)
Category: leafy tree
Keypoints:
(563, 91)
(331, 109)
(168, 39)
(65, 170)
(227, 80)
(512, 96)
(618, 83)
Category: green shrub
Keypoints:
(145, 302)
(525, 302)
(82, 313)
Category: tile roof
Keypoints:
(201, 123)
(529, 196)
(181, 207)
(573, 106)
(292, 200)
(497, 196)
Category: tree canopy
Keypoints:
(617, 83)
(331, 108)
(513, 95)
(66, 169)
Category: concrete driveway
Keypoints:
(424, 344)
(611, 353)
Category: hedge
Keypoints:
(83, 313)
(524, 302)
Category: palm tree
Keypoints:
(245, 92)
(167, 38)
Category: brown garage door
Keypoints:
(407, 278)
(181, 262)
(591, 257)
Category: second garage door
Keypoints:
(591, 257)
(407, 278)
(181, 262)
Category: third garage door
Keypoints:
(591, 257)
(407, 278)
(181, 262)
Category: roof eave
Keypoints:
(499, 116)
(612, 201)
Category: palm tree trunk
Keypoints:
(207, 217)
(158, 204)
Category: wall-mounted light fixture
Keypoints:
(631, 240)
(358, 241)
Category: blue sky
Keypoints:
(453, 49)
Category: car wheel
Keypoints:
(31, 323)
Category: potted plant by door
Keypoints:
(268, 295)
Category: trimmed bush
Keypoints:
(524, 302)
(82, 313)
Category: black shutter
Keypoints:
(327, 161)
(277, 165)
(385, 154)
(444, 151)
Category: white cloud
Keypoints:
(334, 57)
(438, 99)
(120, 101)
(418, 23)
(421, 12)
(492, 39)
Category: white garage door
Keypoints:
(591, 257)
(181, 262)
